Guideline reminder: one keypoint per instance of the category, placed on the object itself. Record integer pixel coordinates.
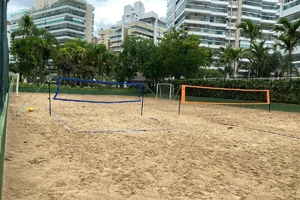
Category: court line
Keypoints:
(60, 121)
(260, 130)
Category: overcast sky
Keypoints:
(107, 12)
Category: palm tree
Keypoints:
(26, 24)
(258, 55)
(225, 58)
(236, 55)
(250, 30)
(289, 38)
(44, 45)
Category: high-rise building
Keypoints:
(8, 33)
(215, 20)
(291, 10)
(64, 19)
(104, 36)
(134, 22)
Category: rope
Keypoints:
(25, 103)
(150, 90)
(177, 92)
(60, 121)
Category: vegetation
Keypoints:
(178, 55)
(289, 38)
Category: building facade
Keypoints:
(134, 22)
(215, 21)
(64, 19)
(291, 10)
(104, 36)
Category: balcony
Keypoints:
(58, 6)
(207, 32)
(206, 21)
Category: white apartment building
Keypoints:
(64, 19)
(215, 20)
(291, 10)
(134, 22)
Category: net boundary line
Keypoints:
(123, 131)
(61, 122)
(260, 130)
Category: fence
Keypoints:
(3, 85)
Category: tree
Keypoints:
(258, 55)
(31, 47)
(236, 55)
(250, 30)
(289, 38)
(26, 25)
(136, 53)
(275, 64)
(225, 58)
(182, 55)
(70, 56)
(45, 46)
(154, 69)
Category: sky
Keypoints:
(107, 12)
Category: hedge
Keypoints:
(282, 91)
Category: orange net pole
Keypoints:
(183, 93)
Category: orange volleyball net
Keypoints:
(192, 94)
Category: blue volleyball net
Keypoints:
(94, 91)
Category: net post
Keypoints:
(49, 98)
(170, 96)
(156, 91)
(269, 100)
(143, 94)
(17, 85)
(180, 93)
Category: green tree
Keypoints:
(31, 47)
(225, 59)
(250, 30)
(45, 47)
(289, 38)
(136, 53)
(258, 54)
(70, 56)
(182, 55)
(236, 55)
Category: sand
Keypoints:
(110, 151)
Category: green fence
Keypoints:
(4, 57)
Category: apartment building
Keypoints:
(104, 36)
(64, 19)
(215, 20)
(135, 21)
(291, 10)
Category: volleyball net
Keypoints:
(191, 94)
(130, 92)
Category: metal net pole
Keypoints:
(3, 54)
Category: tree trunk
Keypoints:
(41, 71)
(249, 71)
(289, 64)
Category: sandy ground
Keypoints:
(109, 151)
